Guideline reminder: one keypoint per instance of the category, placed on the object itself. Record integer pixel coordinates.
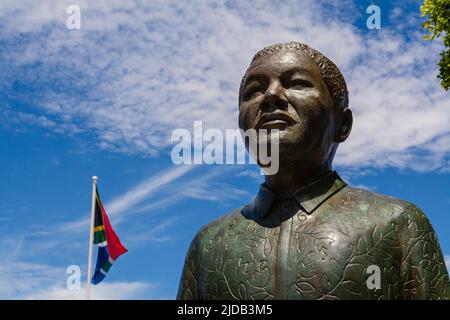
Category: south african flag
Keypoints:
(109, 245)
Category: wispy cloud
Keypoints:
(139, 199)
(143, 191)
(157, 233)
(363, 186)
(254, 174)
(146, 188)
(162, 189)
(20, 280)
(137, 70)
(106, 291)
(214, 192)
(151, 198)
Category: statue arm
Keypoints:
(187, 289)
(423, 271)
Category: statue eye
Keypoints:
(299, 84)
(252, 93)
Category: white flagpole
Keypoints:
(91, 238)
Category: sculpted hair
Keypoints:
(330, 72)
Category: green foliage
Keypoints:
(438, 24)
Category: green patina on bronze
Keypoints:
(308, 235)
(324, 254)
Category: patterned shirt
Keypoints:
(326, 241)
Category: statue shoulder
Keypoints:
(218, 226)
(390, 208)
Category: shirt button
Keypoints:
(302, 215)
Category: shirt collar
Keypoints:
(309, 197)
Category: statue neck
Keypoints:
(285, 183)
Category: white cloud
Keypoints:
(146, 188)
(19, 278)
(103, 291)
(157, 233)
(24, 280)
(447, 261)
(161, 189)
(365, 187)
(254, 174)
(123, 205)
(136, 71)
(402, 115)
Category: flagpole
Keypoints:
(91, 240)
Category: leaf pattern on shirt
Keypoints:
(329, 252)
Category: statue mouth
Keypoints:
(274, 120)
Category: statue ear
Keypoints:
(345, 126)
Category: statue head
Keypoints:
(297, 90)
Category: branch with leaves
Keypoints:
(438, 25)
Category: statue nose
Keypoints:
(274, 98)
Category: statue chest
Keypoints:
(303, 257)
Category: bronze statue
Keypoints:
(309, 235)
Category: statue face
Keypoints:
(285, 91)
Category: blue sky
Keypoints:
(103, 100)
